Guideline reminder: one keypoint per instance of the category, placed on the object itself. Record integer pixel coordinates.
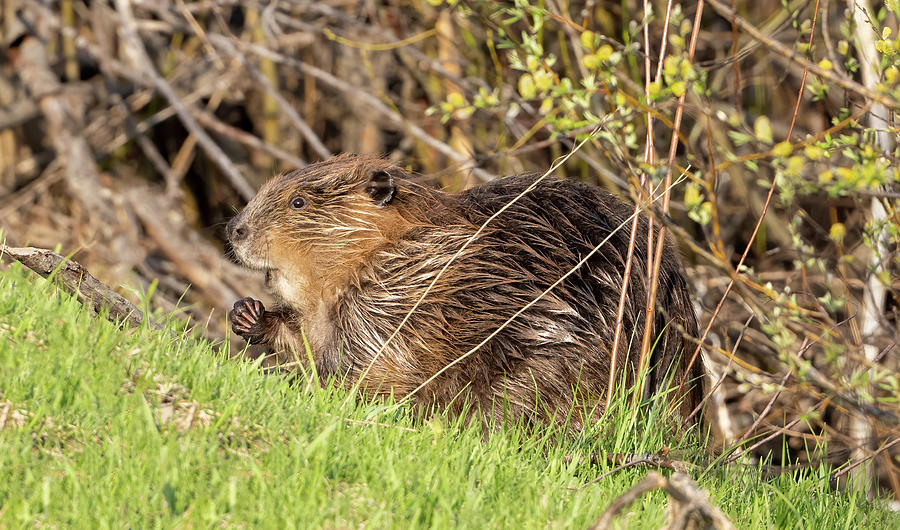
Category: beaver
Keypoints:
(351, 244)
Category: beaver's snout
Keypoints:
(248, 241)
(237, 229)
(241, 237)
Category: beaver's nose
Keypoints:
(236, 230)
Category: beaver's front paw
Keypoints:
(247, 319)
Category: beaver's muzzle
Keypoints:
(237, 229)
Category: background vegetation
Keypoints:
(760, 134)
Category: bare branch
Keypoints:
(374, 103)
(689, 507)
(788, 53)
(75, 279)
(308, 134)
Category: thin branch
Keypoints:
(308, 134)
(789, 53)
(211, 122)
(762, 214)
(373, 102)
(874, 295)
(656, 260)
(854, 465)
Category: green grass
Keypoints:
(113, 428)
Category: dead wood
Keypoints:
(308, 134)
(371, 101)
(162, 224)
(689, 507)
(139, 55)
(76, 279)
(63, 116)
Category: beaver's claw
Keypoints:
(246, 318)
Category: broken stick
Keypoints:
(76, 279)
(689, 507)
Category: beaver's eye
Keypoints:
(298, 203)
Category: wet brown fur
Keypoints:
(347, 269)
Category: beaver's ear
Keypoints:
(380, 187)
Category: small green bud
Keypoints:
(782, 149)
(604, 52)
(762, 129)
(527, 88)
(587, 39)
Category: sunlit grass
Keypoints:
(106, 427)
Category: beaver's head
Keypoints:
(320, 222)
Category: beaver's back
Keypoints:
(550, 229)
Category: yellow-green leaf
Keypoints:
(671, 65)
(687, 69)
(794, 166)
(691, 196)
(543, 80)
(456, 99)
(814, 152)
(546, 106)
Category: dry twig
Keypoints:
(689, 507)
(75, 279)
